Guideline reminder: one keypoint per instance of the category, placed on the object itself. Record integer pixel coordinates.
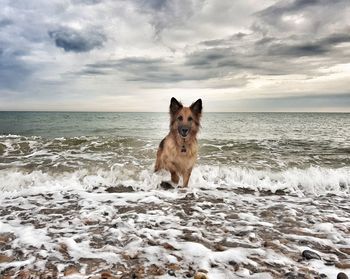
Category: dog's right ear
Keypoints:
(175, 106)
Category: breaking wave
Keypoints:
(310, 181)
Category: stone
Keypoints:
(166, 185)
(342, 275)
(130, 255)
(155, 270)
(267, 213)
(168, 246)
(107, 275)
(120, 189)
(200, 275)
(72, 269)
(5, 259)
(63, 249)
(92, 264)
(219, 247)
(174, 266)
(345, 250)
(310, 255)
(343, 265)
(190, 272)
(291, 275)
(5, 238)
(51, 269)
(24, 274)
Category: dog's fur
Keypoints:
(177, 152)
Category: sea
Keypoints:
(268, 197)
(300, 153)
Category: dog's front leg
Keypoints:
(186, 177)
(174, 177)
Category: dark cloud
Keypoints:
(237, 57)
(5, 22)
(311, 17)
(168, 13)
(77, 41)
(209, 57)
(266, 55)
(143, 70)
(155, 73)
(325, 47)
(336, 38)
(223, 42)
(87, 2)
(283, 7)
(13, 71)
(155, 4)
(228, 61)
(92, 72)
(320, 47)
(305, 49)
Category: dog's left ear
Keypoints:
(196, 107)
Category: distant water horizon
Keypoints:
(163, 111)
(297, 152)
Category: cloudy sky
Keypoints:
(134, 55)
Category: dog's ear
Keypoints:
(175, 106)
(196, 107)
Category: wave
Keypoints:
(310, 181)
(313, 180)
(38, 153)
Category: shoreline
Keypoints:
(221, 232)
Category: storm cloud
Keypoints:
(13, 72)
(109, 54)
(73, 40)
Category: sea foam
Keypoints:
(313, 180)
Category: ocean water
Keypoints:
(303, 153)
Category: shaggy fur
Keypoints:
(177, 152)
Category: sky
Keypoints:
(134, 55)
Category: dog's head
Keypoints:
(185, 120)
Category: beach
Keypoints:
(121, 232)
(268, 198)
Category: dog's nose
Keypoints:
(184, 131)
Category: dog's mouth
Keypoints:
(184, 131)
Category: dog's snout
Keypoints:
(184, 131)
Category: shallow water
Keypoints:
(303, 152)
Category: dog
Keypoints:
(177, 152)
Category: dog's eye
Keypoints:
(180, 118)
(190, 118)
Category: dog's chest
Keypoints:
(185, 157)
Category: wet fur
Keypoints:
(171, 155)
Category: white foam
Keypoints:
(76, 250)
(314, 180)
(4, 266)
(26, 234)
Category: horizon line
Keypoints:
(91, 111)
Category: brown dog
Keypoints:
(177, 152)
